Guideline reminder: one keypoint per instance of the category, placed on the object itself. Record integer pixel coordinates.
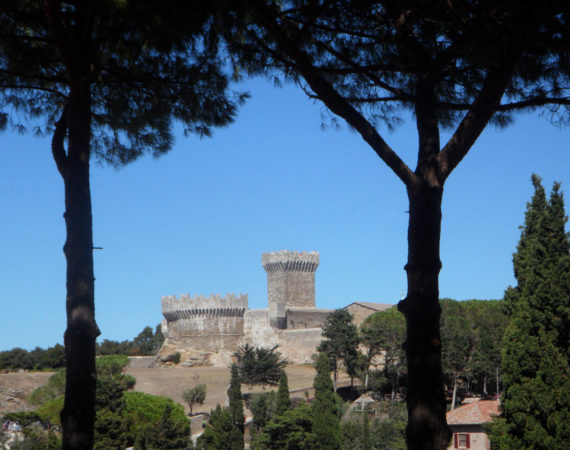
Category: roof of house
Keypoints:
(373, 306)
(473, 413)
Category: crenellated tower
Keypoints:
(290, 282)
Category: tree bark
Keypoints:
(427, 427)
(78, 414)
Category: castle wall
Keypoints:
(298, 346)
(205, 324)
(300, 318)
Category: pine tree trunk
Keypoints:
(454, 397)
(427, 426)
(78, 414)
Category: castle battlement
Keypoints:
(186, 307)
(289, 261)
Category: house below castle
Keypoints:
(209, 330)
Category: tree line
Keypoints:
(107, 80)
(146, 343)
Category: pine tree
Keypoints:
(236, 409)
(283, 400)
(340, 341)
(218, 433)
(326, 426)
(535, 409)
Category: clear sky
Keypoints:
(198, 219)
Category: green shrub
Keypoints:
(176, 358)
(143, 410)
(52, 389)
(51, 410)
(111, 365)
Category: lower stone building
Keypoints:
(466, 423)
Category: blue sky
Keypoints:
(198, 219)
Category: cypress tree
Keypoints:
(236, 409)
(535, 409)
(326, 426)
(283, 400)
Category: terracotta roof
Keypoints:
(374, 306)
(473, 413)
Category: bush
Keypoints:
(52, 389)
(259, 365)
(195, 396)
(143, 410)
(51, 410)
(111, 365)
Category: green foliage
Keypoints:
(147, 342)
(471, 335)
(390, 432)
(52, 389)
(340, 341)
(386, 432)
(143, 410)
(535, 408)
(385, 332)
(37, 359)
(165, 434)
(262, 407)
(218, 433)
(36, 438)
(108, 347)
(325, 426)
(236, 408)
(111, 365)
(51, 410)
(291, 430)
(283, 402)
(259, 365)
(23, 418)
(195, 396)
(176, 358)
(111, 430)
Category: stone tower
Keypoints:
(290, 282)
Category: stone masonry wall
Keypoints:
(290, 278)
(300, 318)
(205, 324)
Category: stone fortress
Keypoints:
(208, 330)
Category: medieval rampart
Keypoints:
(205, 324)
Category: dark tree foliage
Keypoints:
(291, 430)
(106, 79)
(535, 407)
(340, 342)
(147, 343)
(37, 359)
(326, 426)
(218, 433)
(165, 434)
(283, 402)
(195, 396)
(385, 332)
(456, 343)
(259, 365)
(236, 409)
(449, 65)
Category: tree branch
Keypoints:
(474, 122)
(57, 147)
(330, 97)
